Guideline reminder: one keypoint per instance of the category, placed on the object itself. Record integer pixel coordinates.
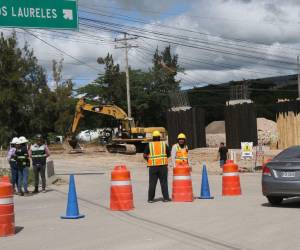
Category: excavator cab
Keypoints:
(125, 128)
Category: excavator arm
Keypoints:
(128, 138)
(110, 110)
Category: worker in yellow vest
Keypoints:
(156, 154)
(179, 153)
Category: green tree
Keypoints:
(164, 71)
(111, 85)
(149, 90)
(23, 81)
(108, 88)
(64, 103)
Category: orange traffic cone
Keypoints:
(121, 197)
(231, 179)
(7, 216)
(182, 183)
(5, 178)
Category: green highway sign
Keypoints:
(56, 14)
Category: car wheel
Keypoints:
(274, 200)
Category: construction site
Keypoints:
(217, 222)
(148, 125)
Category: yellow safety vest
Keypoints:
(158, 154)
(181, 154)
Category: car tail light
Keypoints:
(266, 171)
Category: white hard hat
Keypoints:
(15, 140)
(22, 140)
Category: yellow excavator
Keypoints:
(126, 139)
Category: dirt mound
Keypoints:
(216, 127)
(264, 124)
(266, 129)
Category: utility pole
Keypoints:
(298, 66)
(127, 46)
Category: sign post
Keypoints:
(45, 14)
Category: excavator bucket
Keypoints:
(73, 143)
(76, 148)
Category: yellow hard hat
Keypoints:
(156, 133)
(181, 136)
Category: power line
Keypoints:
(61, 51)
(137, 32)
(188, 60)
(181, 75)
(242, 43)
(189, 38)
(188, 15)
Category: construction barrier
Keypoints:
(182, 183)
(7, 215)
(121, 197)
(191, 122)
(231, 179)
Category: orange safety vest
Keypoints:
(181, 154)
(158, 154)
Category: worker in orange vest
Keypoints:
(156, 154)
(179, 153)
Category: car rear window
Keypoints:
(289, 154)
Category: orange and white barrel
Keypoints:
(182, 183)
(121, 196)
(231, 179)
(7, 216)
(5, 178)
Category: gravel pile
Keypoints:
(266, 129)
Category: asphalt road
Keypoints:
(242, 222)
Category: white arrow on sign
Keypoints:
(68, 14)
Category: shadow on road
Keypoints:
(18, 229)
(288, 203)
(83, 173)
(215, 242)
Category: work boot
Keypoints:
(35, 191)
(167, 200)
(150, 201)
(44, 190)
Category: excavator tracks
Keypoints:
(128, 149)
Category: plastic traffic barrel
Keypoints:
(182, 183)
(231, 179)
(121, 196)
(7, 216)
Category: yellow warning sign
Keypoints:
(247, 150)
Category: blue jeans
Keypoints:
(14, 173)
(222, 162)
(23, 178)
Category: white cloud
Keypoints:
(270, 26)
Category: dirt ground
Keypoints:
(197, 158)
(96, 155)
